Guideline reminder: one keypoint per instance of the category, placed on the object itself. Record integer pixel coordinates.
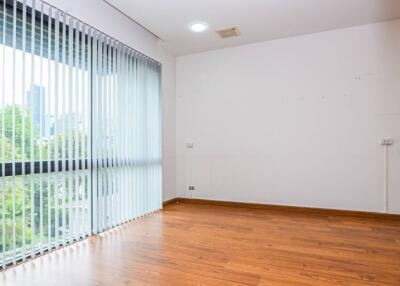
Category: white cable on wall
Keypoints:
(386, 180)
(386, 142)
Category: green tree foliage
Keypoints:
(21, 134)
(45, 145)
(24, 188)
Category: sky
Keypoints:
(12, 69)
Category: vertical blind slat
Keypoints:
(63, 128)
(23, 114)
(56, 127)
(48, 111)
(3, 158)
(75, 131)
(41, 130)
(89, 133)
(83, 128)
(14, 35)
(70, 129)
(94, 133)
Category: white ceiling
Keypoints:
(257, 20)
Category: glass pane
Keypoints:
(71, 207)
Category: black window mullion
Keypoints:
(48, 167)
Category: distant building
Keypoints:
(49, 125)
(43, 120)
(35, 100)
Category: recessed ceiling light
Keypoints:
(198, 27)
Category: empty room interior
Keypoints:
(200, 142)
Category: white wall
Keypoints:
(294, 121)
(108, 20)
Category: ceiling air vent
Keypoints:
(228, 32)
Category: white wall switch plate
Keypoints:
(386, 141)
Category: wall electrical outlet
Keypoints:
(386, 141)
(191, 188)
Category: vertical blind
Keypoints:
(80, 131)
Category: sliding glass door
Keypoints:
(80, 131)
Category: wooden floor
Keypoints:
(189, 244)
